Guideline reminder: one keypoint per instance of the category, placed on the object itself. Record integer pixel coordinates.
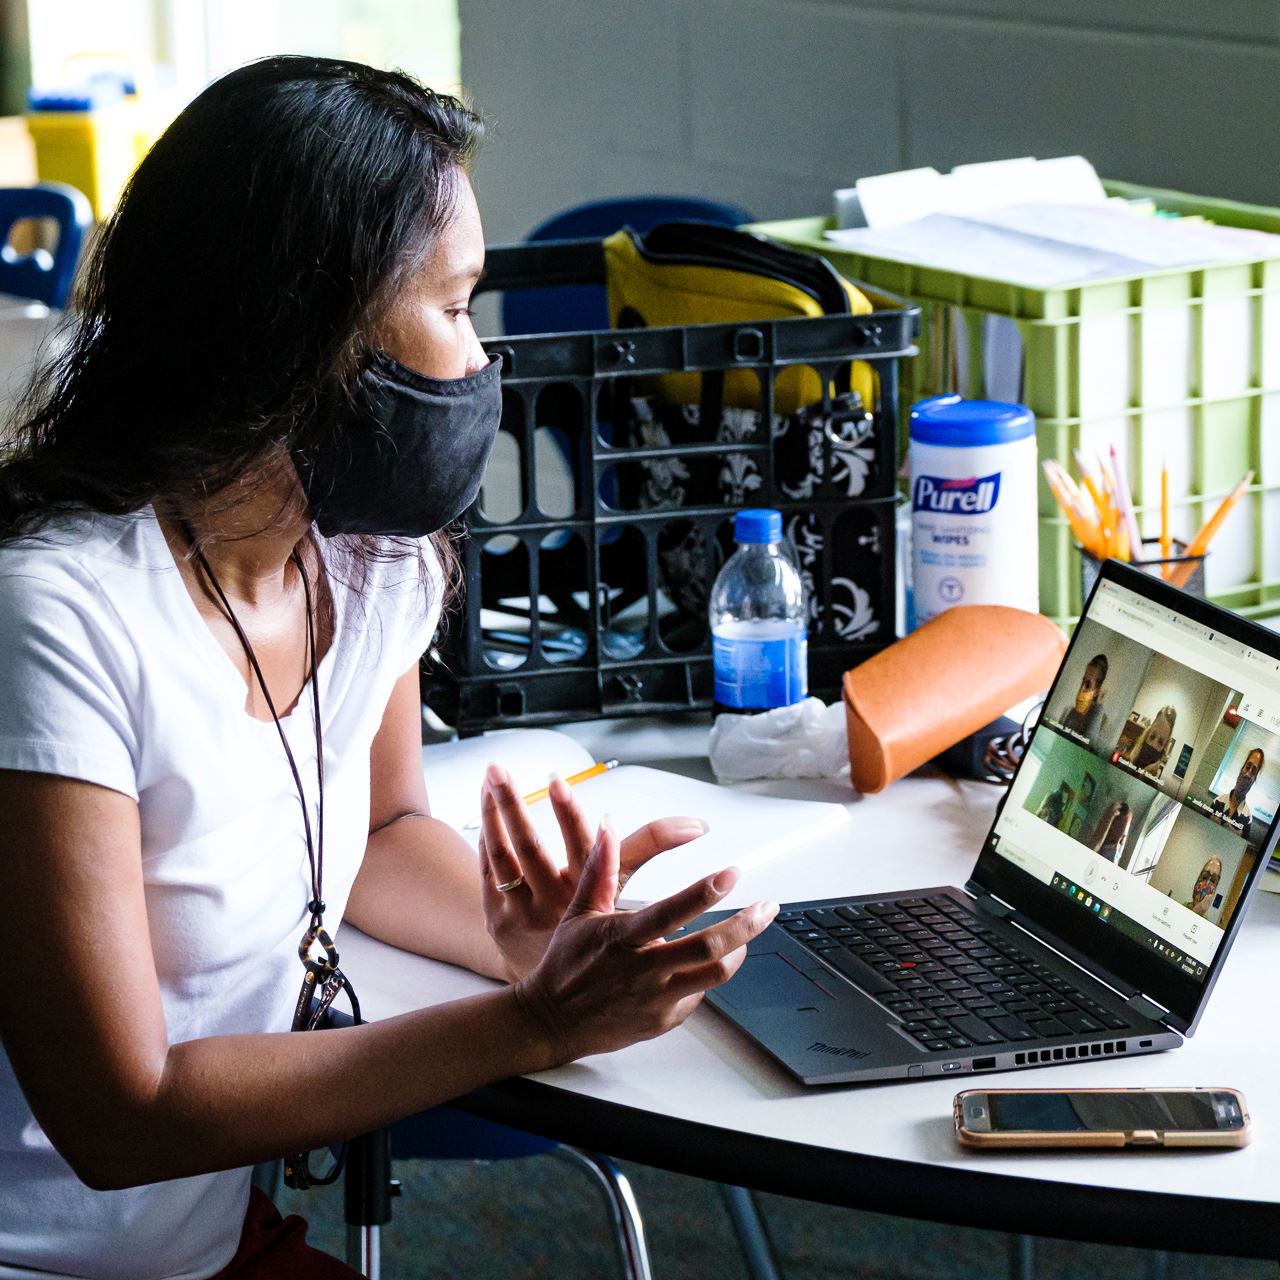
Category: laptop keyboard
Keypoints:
(952, 981)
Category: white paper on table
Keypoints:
(454, 770)
(744, 829)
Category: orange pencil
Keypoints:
(1166, 537)
(1200, 543)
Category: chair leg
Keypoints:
(749, 1228)
(368, 1190)
(364, 1250)
(628, 1229)
(1022, 1257)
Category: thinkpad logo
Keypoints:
(836, 1050)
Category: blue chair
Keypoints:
(445, 1133)
(44, 275)
(572, 308)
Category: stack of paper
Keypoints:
(1038, 223)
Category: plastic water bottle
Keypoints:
(973, 505)
(759, 642)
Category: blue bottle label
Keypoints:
(758, 674)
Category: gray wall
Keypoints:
(773, 103)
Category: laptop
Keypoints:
(1106, 895)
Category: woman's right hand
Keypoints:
(609, 978)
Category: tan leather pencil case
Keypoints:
(941, 683)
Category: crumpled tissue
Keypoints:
(805, 740)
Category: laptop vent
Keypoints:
(1070, 1053)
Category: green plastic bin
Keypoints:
(1178, 365)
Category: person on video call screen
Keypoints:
(1205, 888)
(1084, 713)
(1113, 831)
(1231, 804)
(1151, 749)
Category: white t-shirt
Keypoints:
(109, 674)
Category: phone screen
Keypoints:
(1084, 1112)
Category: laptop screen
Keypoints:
(1143, 809)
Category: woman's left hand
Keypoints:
(522, 919)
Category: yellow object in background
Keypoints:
(94, 151)
(711, 275)
(92, 130)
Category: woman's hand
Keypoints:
(610, 978)
(522, 919)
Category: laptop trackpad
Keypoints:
(769, 982)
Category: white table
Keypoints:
(704, 1100)
(26, 330)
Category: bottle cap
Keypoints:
(757, 524)
(950, 420)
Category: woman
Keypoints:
(1113, 831)
(1152, 748)
(214, 588)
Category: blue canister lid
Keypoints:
(951, 420)
(90, 95)
(59, 100)
(757, 524)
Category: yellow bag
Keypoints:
(682, 273)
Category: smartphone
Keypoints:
(990, 1118)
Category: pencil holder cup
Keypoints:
(1171, 568)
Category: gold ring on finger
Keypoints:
(507, 885)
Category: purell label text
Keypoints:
(974, 496)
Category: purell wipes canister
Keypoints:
(973, 505)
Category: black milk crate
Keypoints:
(607, 512)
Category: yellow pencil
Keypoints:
(572, 780)
(1084, 528)
(1200, 543)
(1074, 507)
(1166, 536)
(1090, 484)
(1065, 480)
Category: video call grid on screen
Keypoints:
(1153, 777)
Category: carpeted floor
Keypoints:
(542, 1218)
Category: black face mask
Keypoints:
(415, 463)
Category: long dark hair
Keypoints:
(232, 300)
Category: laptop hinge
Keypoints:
(1144, 1007)
(992, 906)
